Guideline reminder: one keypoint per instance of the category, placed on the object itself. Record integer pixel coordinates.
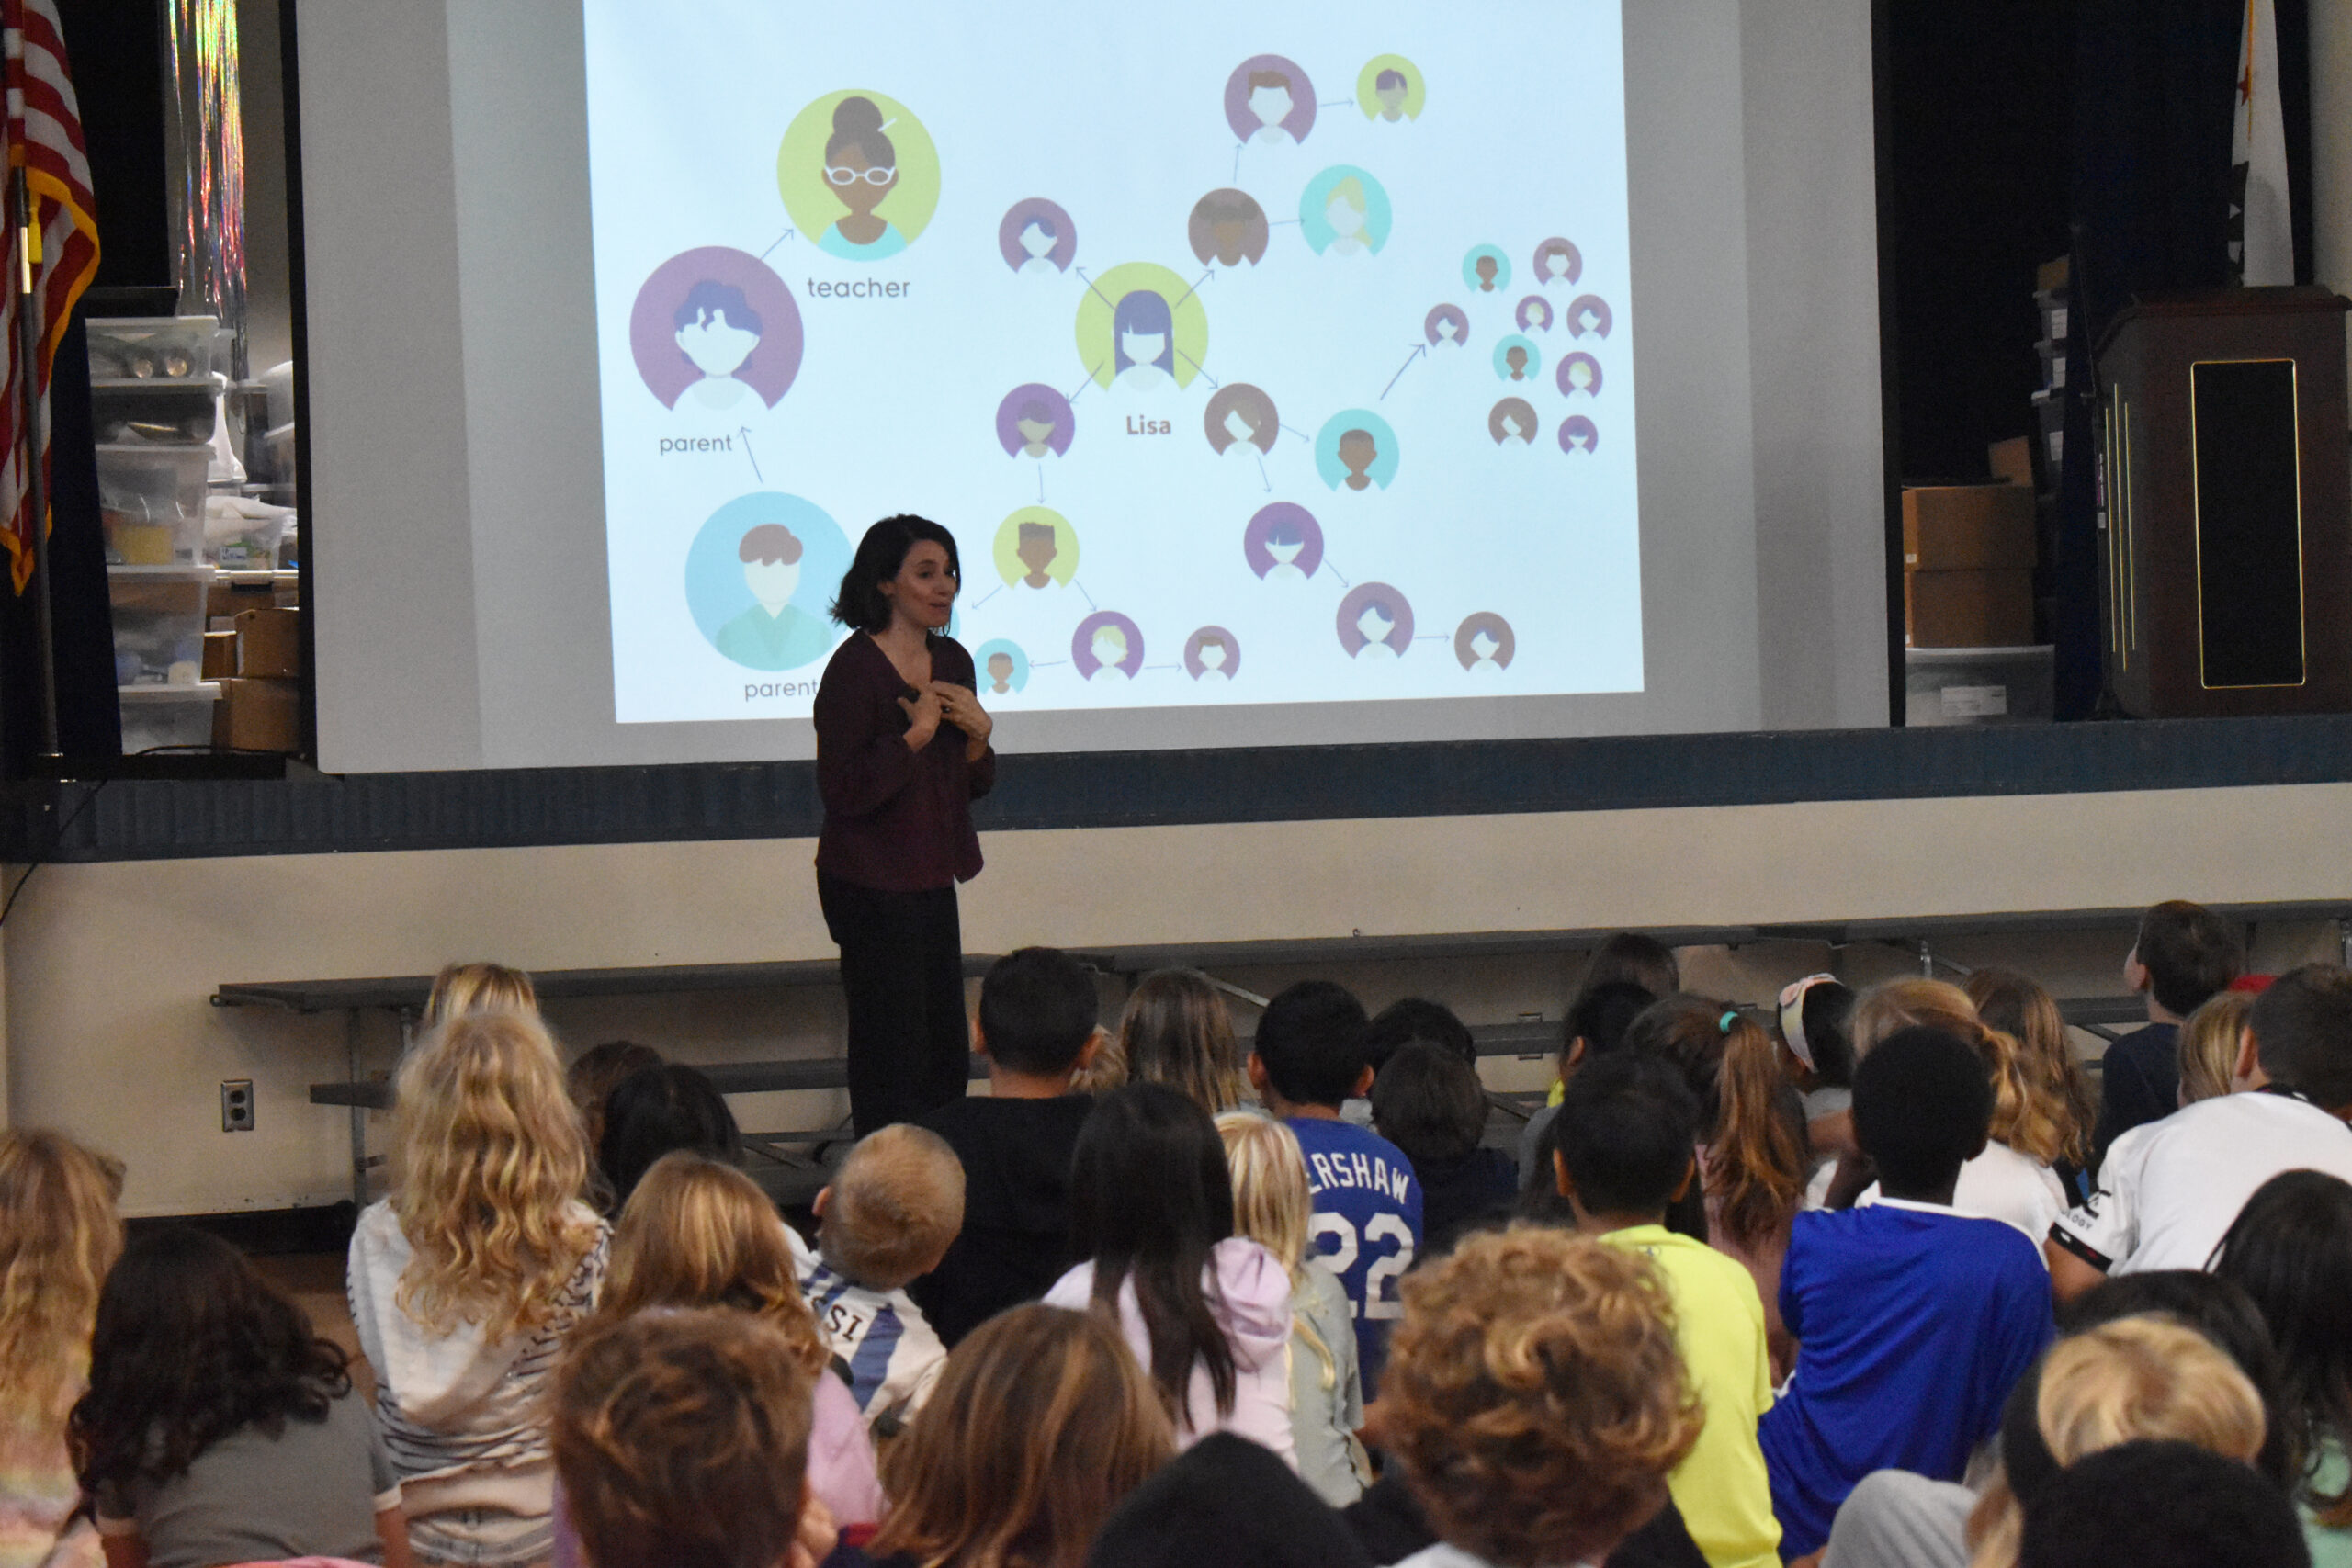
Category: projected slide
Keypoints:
(1254, 355)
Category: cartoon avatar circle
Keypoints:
(1578, 434)
(1487, 269)
(1036, 548)
(1035, 421)
(1558, 261)
(1374, 623)
(1240, 419)
(1344, 212)
(713, 329)
(1535, 314)
(1513, 419)
(1212, 656)
(1107, 648)
(1590, 313)
(1517, 359)
(859, 176)
(1484, 644)
(1001, 668)
(758, 575)
(1142, 329)
(1390, 88)
(1037, 238)
(1446, 326)
(1229, 227)
(1580, 372)
(1356, 450)
(1269, 102)
(1282, 543)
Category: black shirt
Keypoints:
(2139, 1082)
(1015, 1241)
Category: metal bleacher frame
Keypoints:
(798, 1155)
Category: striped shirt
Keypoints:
(894, 1358)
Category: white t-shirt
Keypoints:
(2170, 1190)
(2001, 1184)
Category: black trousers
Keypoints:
(903, 968)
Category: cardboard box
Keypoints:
(269, 643)
(220, 655)
(2012, 460)
(1968, 528)
(1968, 609)
(259, 716)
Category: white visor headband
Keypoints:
(1792, 1016)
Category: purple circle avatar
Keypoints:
(1580, 372)
(716, 329)
(1284, 543)
(1578, 434)
(1589, 314)
(1037, 237)
(1035, 421)
(1557, 261)
(1269, 102)
(1447, 324)
(1375, 622)
(1107, 647)
(1212, 656)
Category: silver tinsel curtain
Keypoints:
(210, 241)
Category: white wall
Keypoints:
(107, 966)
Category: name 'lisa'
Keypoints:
(1139, 426)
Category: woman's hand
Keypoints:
(923, 713)
(962, 706)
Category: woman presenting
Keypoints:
(902, 751)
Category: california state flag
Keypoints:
(2262, 246)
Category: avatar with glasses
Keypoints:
(861, 169)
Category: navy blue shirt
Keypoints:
(2139, 1083)
(1912, 1322)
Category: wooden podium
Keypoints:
(2225, 572)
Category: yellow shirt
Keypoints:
(1721, 1488)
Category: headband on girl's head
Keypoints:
(1792, 1016)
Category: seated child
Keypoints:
(1535, 1402)
(655, 1110)
(1912, 1321)
(1428, 1103)
(681, 1436)
(1037, 1026)
(888, 1218)
(1308, 1060)
(1596, 1026)
(2184, 954)
(1207, 1312)
(2170, 1189)
(596, 1072)
(1041, 1425)
(1621, 1154)
(1418, 1020)
(699, 1233)
(219, 1427)
(2160, 1506)
(1271, 1206)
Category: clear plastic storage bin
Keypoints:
(1952, 686)
(170, 412)
(158, 624)
(144, 348)
(151, 499)
(167, 715)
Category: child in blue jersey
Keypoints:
(887, 1219)
(1912, 1321)
(1311, 1057)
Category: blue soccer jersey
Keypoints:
(1367, 1224)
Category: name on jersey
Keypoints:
(1359, 1170)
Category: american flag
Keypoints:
(47, 268)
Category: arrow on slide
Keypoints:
(1262, 474)
(1417, 353)
(745, 432)
(1092, 289)
(1196, 286)
(1300, 433)
(1278, 222)
(1041, 484)
(1080, 390)
(1236, 163)
(1197, 365)
(1338, 104)
(779, 239)
(989, 595)
(1334, 570)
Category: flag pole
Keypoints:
(30, 409)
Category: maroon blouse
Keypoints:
(895, 819)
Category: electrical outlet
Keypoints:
(236, 1105)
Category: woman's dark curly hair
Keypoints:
(191, 1345)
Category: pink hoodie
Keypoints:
(1250, 1292)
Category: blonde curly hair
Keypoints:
(1273, 1205)
(488, 1165)
(462, 989)
(2134, 1379)
(2027, 1116)
(1535, 1397)
(699, 1233)
(59, 1234)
